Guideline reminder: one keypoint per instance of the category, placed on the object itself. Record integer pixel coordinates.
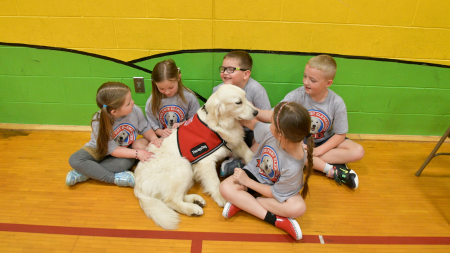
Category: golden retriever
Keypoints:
(162, 183)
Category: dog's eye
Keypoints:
(239, 103)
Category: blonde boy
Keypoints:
(236, 69)
(329, 123)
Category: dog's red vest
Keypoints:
(196, 140)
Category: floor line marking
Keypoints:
(321, 239)
(198, 237)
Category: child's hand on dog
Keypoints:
(157, 142)
(166, 132)
(249, 123)
(143, 155)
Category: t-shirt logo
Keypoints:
(171, 114)
(124, 134)
(320, 123)
(268, 164)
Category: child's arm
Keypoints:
(264, 115)
(151, 136)
(141, 154)
(331, 143)
(163, 132)
(249, 123)
(241, 178)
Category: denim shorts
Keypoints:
(252, 177)
(248, 138)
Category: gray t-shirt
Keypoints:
(172, 110)
(327, 118)
(125, 130)
(271, 165)
(255, 93)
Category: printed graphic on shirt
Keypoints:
(124, 134)
(320, 123)
(268, 164)
(171, 114)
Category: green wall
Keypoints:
(58, 86)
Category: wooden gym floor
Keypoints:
(391, 211)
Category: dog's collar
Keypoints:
(204, 109)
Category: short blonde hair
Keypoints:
(325, 63)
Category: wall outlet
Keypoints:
(139, 84)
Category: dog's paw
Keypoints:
(248, 156)
(200, 203)
(196, 199)
(195, 210)
(219, 200)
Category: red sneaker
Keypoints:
(229, 210)
(290, 226)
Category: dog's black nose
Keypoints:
(255, 112)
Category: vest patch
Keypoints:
(197, 150)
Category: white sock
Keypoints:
(328, 167)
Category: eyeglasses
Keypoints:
(230, 70)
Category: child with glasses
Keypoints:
(170, 103)
(329, 123)
(277, 171)
(236, 69)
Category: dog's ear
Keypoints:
(219, 111)
(212, 107)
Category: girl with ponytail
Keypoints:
(279, 170)
(113, 148)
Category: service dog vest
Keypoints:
(196, 140)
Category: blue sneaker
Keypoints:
(125, 178)
(74, 177)
(228, 166)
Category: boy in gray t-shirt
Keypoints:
(236, 69)
(329, 123)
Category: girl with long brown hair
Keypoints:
(113, 148)
(170, 103)
(277, 171)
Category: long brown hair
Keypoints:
(110, 96)
(294, 123)
(165, 70)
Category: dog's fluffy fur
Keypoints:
(163, 182)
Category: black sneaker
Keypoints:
(344, 175)
(228, 166)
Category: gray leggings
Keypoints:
(103, 170)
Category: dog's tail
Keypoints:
(159, 212)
